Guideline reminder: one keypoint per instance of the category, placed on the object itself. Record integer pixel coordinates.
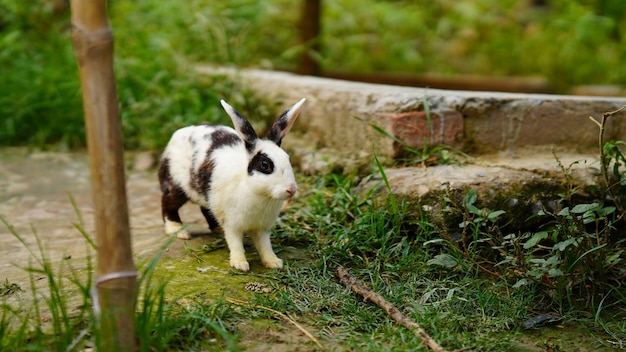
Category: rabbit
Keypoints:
(240, 181)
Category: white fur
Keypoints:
(240, 202)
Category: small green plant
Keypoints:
(9, 288)
(579, 238)
(613, 162)
(614, 153)
(476, 243)
(576, 254)
(477, 222)
(55, 323)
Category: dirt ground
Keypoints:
(35, 198)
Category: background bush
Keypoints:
(157, 43)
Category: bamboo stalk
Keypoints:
(369, 295)
(115, 271)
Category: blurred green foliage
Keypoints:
(158, 89)
(570, 42)
(567, 41)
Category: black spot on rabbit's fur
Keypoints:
(194, 177)
(173, 196)
(192, 142)
(262, 163)
(201, 180)
(201, 176)
(223, 138)
(164, 176)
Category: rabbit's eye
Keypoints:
(260, 162)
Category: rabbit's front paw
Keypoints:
(240, 264)
(273, 263)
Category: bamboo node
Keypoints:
(104, 278)
(90, 43)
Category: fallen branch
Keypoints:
(282, 315)
(391, 310)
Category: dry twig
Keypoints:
(603, 159)
(280, 314)
(389, 308)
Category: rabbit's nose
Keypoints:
(291, 190)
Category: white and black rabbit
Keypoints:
(239, 180)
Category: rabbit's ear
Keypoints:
(243, 127)
(284, 122)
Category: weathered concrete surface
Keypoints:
(35, 191)
(521, 184)
(491, 121)
(495, 170)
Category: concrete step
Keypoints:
(521, 184)
(474, 122)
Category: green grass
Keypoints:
(384, 249)
(441, 286)
(383, 244)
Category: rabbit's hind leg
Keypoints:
(210, 219)
(173, 197)
(173, 224)
(171, 201)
